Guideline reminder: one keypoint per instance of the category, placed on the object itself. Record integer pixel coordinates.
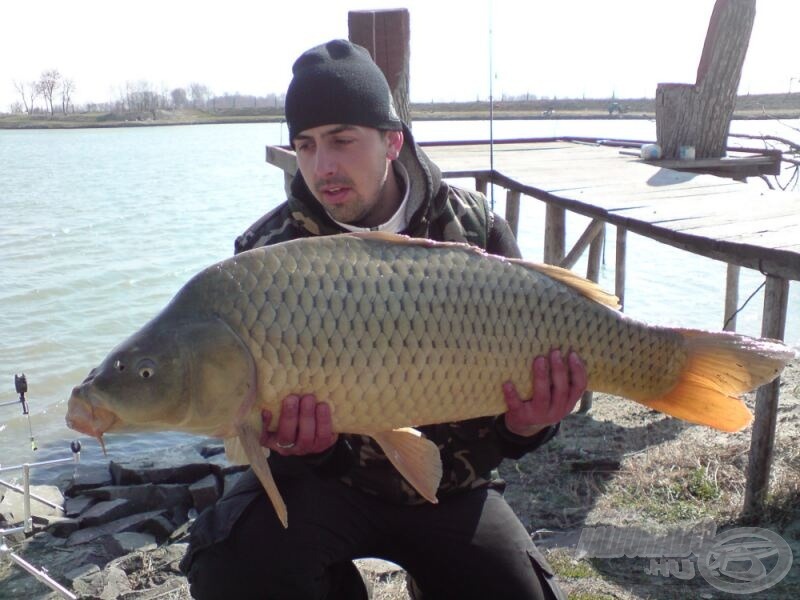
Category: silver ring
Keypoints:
(284, 446)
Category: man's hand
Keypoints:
(304, 427)
(557, 386)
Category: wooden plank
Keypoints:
(715, 210)
(732, 229)
(785, 236)
(777, 262)
(620, 197)
(704, 163)
(282, 158)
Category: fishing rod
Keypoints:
(21, 385)
(491, 109)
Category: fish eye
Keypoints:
(147, 369)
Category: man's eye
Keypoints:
(344, 141)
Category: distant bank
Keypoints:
(761, 106)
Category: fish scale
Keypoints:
(393, 332)
(494, 327)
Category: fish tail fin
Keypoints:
(720, 367)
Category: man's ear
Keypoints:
(394, 144)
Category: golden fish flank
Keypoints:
(394, 332)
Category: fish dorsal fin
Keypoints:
(415, 457)
(583, 286)
(248, 438)
(399, 238)
(380, 236)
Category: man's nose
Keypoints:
(324, 163)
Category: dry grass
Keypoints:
(668, 475)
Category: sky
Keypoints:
(562, 48)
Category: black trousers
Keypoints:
(470, 545)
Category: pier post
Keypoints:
(731, 297)
(699, 115)
(776, 301)
(619, 274)
(593, 274)
(555, 234)
(387, 36)
(512, 210)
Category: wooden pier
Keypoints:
(738, 223)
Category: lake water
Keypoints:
(100, 228)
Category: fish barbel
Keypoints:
(393, 333)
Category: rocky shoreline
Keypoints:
(123, 528)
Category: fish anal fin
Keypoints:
(415, 457)
(720, 366)
(248, 438)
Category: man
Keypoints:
(359, 169)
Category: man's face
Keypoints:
(346, 168)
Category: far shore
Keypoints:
(763, 106)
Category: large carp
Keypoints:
(394, 332)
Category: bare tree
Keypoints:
(699, 114)
(789, 178)
(67, 88)
(199, 95)
(179, 99)
(48, 84)
(28, 92)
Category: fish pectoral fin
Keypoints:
(248, 438)
(415, 457)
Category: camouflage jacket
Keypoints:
(470, 450)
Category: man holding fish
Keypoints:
(360, 170)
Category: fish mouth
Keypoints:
(87, 418)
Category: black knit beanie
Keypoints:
(338, 83)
